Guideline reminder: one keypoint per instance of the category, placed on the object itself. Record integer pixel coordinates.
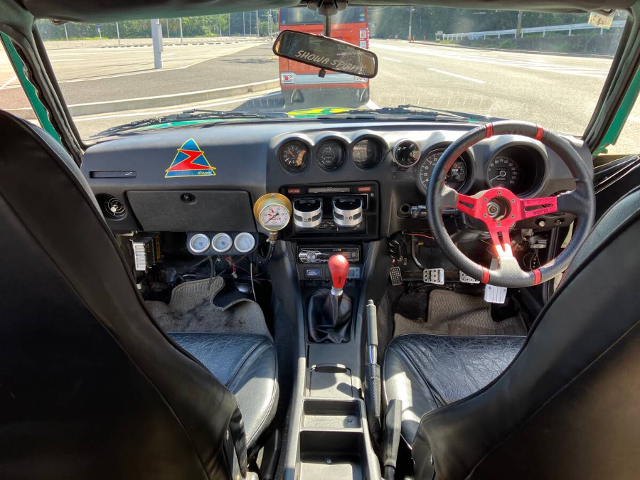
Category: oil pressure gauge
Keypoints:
(273, 211)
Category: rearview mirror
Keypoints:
(326, 53)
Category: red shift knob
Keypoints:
(339, 267)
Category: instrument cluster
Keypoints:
(295, 156)
(221, 243)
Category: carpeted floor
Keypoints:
(451, 313)
(198, 306)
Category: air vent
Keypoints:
(113, 208)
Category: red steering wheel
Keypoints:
(500, 209)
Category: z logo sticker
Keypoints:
(190, 162)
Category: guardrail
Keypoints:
(514, 32)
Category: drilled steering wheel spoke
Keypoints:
(534, 207)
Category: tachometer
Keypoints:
(294, 156)
(330, 155)
(504, 172)
(456, 177)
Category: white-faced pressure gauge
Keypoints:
(273, 211)
(199, 243)
(244, 242)
(221, 242)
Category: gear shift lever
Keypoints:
(329, 313)
(339, 268)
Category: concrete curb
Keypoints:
(95, 108)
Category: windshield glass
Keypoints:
(543, 68)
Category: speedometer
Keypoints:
(456, 177)
(504, 172)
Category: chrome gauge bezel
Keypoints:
(199, 236)
(398, 150)
(240, 236)
(218, 236)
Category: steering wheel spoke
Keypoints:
(533, 207)
(501, 241)
(449, 198)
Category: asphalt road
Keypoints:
(557, 91)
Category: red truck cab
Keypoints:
(300, 83)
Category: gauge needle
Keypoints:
(499, 176)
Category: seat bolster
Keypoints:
(427, 372)
(403, 381)
(247, 366)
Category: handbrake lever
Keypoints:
(372, 375)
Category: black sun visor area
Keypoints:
(98, 10)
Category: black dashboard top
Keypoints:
(256, 158)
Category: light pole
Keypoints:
(167, 28)
(118, 32)
(229, 25)
(181, 39)
(156, 35)
(244, 31)
(410, 21)
(519, 27)
(257, 24)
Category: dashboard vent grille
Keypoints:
(113, 207)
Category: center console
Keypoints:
(331, 242)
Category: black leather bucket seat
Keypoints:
(561, 403)
(90, 386)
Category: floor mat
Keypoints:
(193, 308)
(451, 313)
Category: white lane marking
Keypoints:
(172, 110)
(534, 63)
(372, 105)
(634, 119)
(469, 79)
(8, 82)
(392, 59)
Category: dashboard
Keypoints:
(350, 180)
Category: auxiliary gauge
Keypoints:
(273, 211)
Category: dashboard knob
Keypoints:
(339, 267)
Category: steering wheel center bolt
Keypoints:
(493, 209)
